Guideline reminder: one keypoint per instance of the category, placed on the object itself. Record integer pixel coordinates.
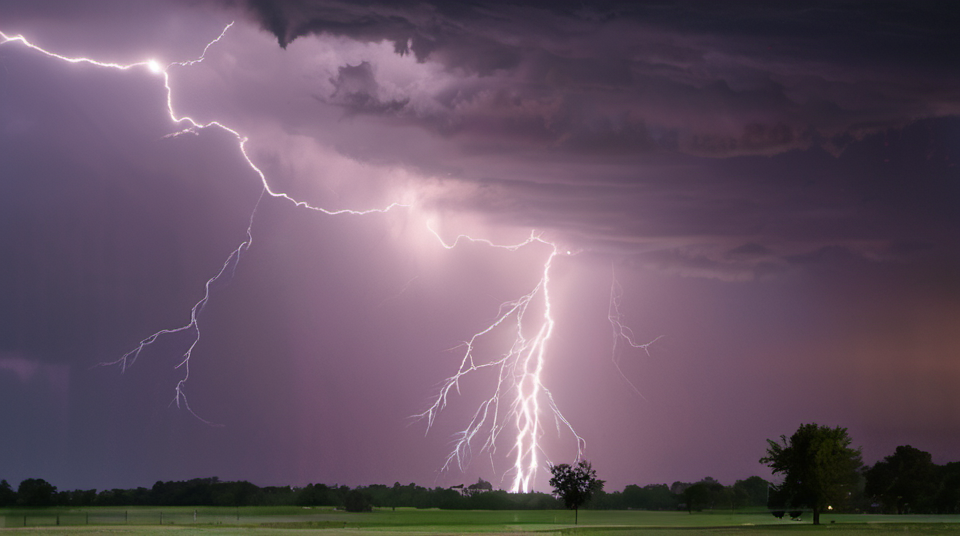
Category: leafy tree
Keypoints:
(36, 492)
(819, 467)
(8, 497)
(77, 498)
(574, 485)
(755, 490)
(707, 493)
(738, 496)
(649, 497)
(490, 500)
(696, 496)
(357, 501)
(947, 499)
(317, 495)
(904, 482)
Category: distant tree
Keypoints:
(357, 501)
(8, 497)
(947, 499)
(755, 489)
(696, 496)
(904, 482)
(240, 493)
(819, 467)
(77, 498)
(490, 500)
(707, 493)
(649, 497)
(574, 485)
(479, 487)
(738, 496)
(36, 492)
(777, 501)
(718, 496)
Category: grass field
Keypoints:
(264, 521)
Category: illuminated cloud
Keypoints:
(603, 122)
(775, 187)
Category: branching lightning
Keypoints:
(519, 400)
(229, 265)
(622, 332)
(518, 377)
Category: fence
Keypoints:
(40, 518)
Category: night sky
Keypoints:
(769, 190)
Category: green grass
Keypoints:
(269, 521)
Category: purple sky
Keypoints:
(775, 189)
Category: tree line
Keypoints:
(35, 492)
(819, 468)
(822, 472)
(705, 494)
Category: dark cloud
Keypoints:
(356, 89)
(424, 29)
(691, 76)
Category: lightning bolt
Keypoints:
(229, 265)
(621, 332)
(519, 401)
(518, 371)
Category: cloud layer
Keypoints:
(623, 128)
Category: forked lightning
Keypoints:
(519, 368)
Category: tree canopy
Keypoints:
(574, 485)
(820, 468)
(903, 482)
(8, 497)
(36, 492)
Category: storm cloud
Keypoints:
(772, 188)
(629, 105)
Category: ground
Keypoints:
(290, 521)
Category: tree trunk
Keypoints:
(576, 515)
(816, 515)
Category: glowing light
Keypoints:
(4, 38)
(229, 265)
(519, 400)
(519, 373)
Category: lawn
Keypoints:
(267, 521)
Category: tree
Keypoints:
(574, 485)
(480, 487)
(947, 499)
(649, 497)
(357, 501)
(819, 467)
(905, 481)
(755, 489)
(36, 492)
(696, 496)
(8, 497)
